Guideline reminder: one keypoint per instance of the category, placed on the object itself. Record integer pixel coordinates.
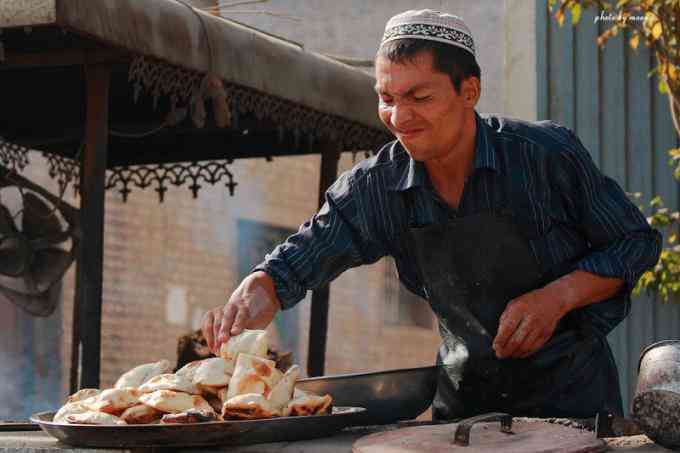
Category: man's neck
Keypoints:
(448, 175)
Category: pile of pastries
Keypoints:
(241, 384)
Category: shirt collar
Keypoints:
(415, 174)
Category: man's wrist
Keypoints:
(267, 282)
(561, 293)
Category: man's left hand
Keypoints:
(527, 323)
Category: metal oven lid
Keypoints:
(236, 432)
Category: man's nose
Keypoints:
(401, 115)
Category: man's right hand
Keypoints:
(252, 306)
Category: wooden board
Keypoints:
(526, 437)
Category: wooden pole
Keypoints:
(318, 331)
(92, 184)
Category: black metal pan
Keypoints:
(238, 432)
(388, 396)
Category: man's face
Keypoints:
(420, 106)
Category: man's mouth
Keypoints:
(408, 132)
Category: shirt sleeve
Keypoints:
(329, 243)
(622, 242)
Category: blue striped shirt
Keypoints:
(569, 211)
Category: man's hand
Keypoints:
(527, 323)
(252, 306)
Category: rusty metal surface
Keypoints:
(237, 432)
(526, 437)
(656, 405)
(462, 434)
(170, 31)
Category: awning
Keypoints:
(283, 88)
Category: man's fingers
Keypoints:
(509, 323)
(227, 320)
(217, 324)
(240, 321)
(513, 345)
(207, 328)
(528, 345)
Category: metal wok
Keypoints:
(388, 396)
(237, 432)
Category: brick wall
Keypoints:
(165, 264)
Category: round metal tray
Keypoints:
(233, 432)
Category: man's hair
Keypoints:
(458, 63)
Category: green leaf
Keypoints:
(663, 86)
(656, 202)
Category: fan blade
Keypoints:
(42, 304)
(7, 225)
(15, 255)
(48, 266)
(70, 214)
(38, 218)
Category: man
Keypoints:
(525, 251)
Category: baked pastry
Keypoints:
(249, 406)
(309, 405)
(252, 374)
(282, 392)
(94, 418)
(142, 373)
(82, 394)
(252, 342)
(140, 414)
(169, 382)
(172, 402)
(115, 401)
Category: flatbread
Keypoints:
(309, 405)
(252, 375)
(188, 370)
(140, 414)
(77, 407)
(172, 402)
(169, 382)
(249, 406)
(94, 418)
(282, 392)
(82, 394)
(142, 373)
(252, 342)
(214, 372)
(115, 401)
(190, 416)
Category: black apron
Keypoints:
(471, 268)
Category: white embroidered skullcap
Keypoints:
(430, 25)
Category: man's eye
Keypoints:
(386, 101)
(421, 98)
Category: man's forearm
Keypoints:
(580, 288)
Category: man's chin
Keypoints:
(414, 152)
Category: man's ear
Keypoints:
(471, 89)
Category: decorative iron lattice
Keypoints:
(12, 156)
(163, 175)
(161, 79)
(66, 171)
(183, 86)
